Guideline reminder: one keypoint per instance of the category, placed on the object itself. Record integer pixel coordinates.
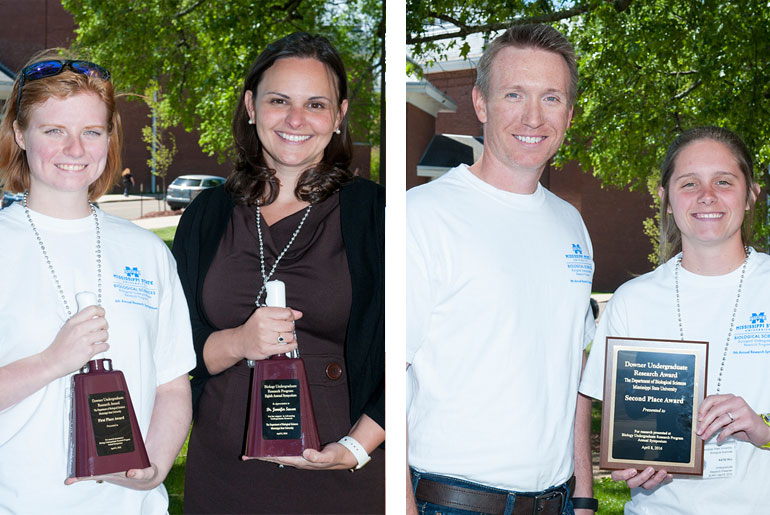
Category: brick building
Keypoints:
(440, 104)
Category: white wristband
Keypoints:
(357, 449)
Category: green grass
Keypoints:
(612, 495)
(166, 234)
(175, 481)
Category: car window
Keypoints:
(210, 183)
(186, 182)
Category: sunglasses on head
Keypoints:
(51, 67)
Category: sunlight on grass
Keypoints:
(166, 234)
(612, 496)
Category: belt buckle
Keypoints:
(547, 496)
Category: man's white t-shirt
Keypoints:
(498, 288)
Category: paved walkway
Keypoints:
(156, 222)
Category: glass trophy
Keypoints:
(104, 433)
(281, 418)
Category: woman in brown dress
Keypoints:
(290, 199)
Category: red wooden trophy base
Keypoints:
(106, 436)
(281, 417)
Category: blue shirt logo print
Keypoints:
(132, 287)
(579, 264)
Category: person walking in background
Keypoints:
(128, 181)
(291, 205)
(499, 275)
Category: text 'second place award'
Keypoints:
(652, 391)
(281, 418)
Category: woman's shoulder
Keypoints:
(211, 204)
(650, 283)
(362, 185)
(360, 191)
(126, 229)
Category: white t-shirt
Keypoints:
(149, 336)
(498, 288)
(645, 307)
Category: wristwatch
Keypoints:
(357, 449)
(585, 503)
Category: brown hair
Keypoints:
(252, 181)
(542, 37)
(14, 168)
(670, 236)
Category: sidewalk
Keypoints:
(158, 222)
(155, 222)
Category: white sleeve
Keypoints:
(611, 323)
(590, 327)
(174, 354)
(419, 297)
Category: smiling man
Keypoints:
(499, 276)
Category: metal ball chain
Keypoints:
(732, 320)
(266, 277)
(50, 265)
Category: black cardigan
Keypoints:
(362, 213)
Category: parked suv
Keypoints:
(7, 198)
(186, 187)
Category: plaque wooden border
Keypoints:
(699, 349)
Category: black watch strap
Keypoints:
(585, 503)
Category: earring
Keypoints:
(337, 131)
(251, 122)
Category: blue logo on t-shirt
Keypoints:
(580, 265)
(131, 288)
(754, 337)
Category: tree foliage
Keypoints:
(160, 141)
(200, 50)
(648, 70)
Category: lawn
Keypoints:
(175, 481)
(612, 495)
(166, 234)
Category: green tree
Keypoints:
(200, 50)
(160, 141)
(648, 70)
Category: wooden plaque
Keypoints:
(652, 392)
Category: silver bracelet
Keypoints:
(357, 449)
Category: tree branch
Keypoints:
(689, 90)
(454, 21)
(465, 30)
(188, 10)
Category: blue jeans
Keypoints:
(426, 508)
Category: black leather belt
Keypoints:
(549, 502)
